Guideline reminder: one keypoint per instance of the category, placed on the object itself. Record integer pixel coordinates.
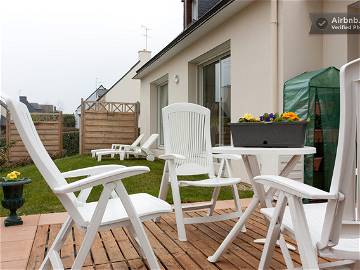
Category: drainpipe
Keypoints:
(274, 54)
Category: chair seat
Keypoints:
(347, 248)
(212, 182)
(108, 152)
(145, 205)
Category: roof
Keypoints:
(224, 8)
(99, 89)
(119, 80)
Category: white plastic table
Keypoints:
(269, 166)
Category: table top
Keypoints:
(306, 150)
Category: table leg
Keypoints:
(235, 230)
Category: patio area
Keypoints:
(24, 247)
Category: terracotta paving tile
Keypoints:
(15, 250)
(53, 218)
(230, 203)
(18, 265)
(17, 233)
(30, 220)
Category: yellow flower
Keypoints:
(13, 175)
(248, 116)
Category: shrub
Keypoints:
(68, 120)
(4, 148)
(71, 143)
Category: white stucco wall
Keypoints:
(127, 89)
(249, 34)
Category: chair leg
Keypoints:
(137, 227)
(58, 242)
(307, 250)
(285, 252)
(164, 186)
(273, 233)
(214, 198)
(99, 158)
(180, 225)
(93, 227)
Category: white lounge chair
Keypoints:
(143, 150)
(188, 151)
(330, 229)
(114, 208)
(116, 147)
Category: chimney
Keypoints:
(144, 56)
(23, 99)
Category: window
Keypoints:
(162, 101)
(215, 94)
(194, 10)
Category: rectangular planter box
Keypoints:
(276, 134)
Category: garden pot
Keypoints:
(272, 134)
(13, 199)
(317, 163)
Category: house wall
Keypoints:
(250, 66)
(127, 90)
(249, 35)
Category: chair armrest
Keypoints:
(227, 156)
(293, 187)
(102, 179)
(172, 156)
(91, 171)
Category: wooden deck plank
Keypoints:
(38, 249)
(116, 249)
(79, 237)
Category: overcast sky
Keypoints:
(55, 52)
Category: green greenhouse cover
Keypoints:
(315, 97)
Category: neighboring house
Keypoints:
(127, 89)
(235, 56)
(36, 107)
(94, 96)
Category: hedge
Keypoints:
(71, 143)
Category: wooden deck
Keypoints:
(115, 250)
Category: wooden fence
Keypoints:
(105, 123)
(49, 128)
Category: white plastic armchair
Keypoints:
(188, 151)
(330, 229)
(117, 149)
(114, 207)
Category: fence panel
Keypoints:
(105, 123)
(49, 128)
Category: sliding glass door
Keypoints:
(216, 95)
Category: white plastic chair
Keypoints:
(188, 151)
(115, 149)
(114, 208)
(329, 229)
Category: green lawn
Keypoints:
(40, 199)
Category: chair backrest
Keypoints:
(150, 141)
(344, 174)
(137, 141)
(187, 132)
(39, 155)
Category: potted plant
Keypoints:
(269, 130)
(13, 185)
